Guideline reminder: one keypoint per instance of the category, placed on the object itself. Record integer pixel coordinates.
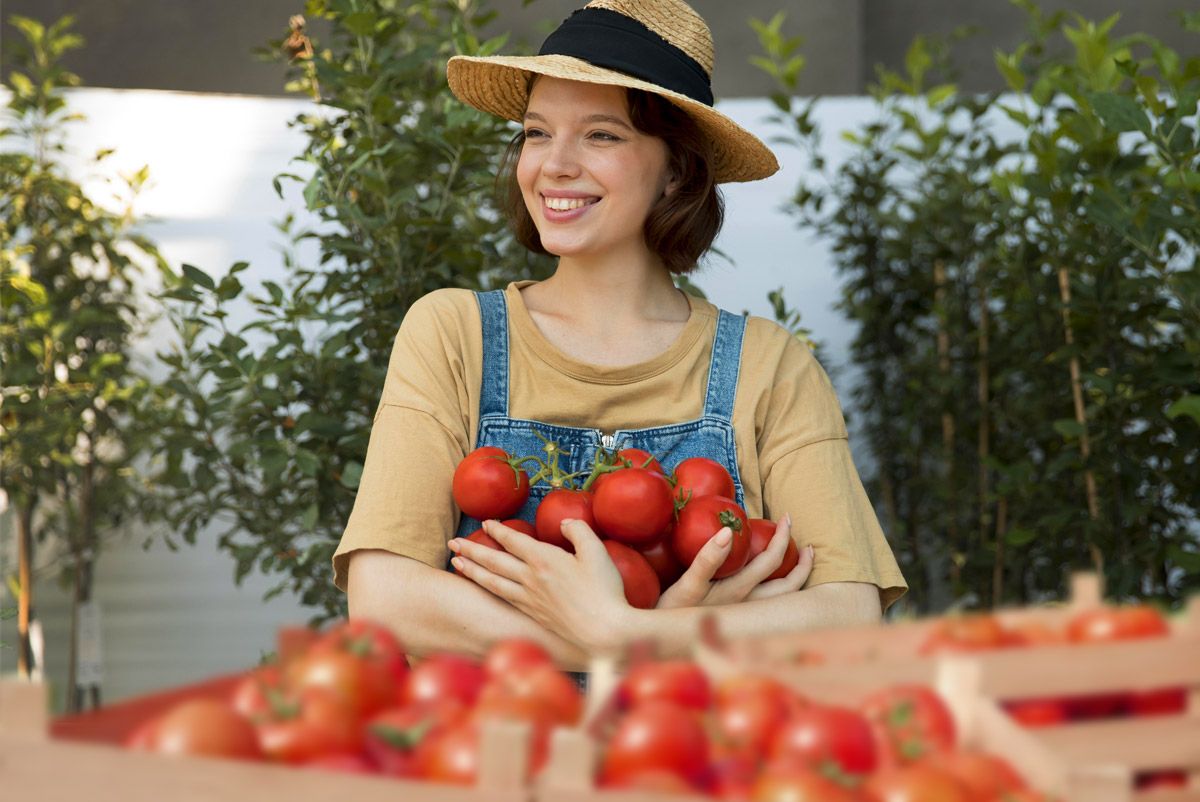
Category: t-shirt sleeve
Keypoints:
(808, 471)
(420, 433)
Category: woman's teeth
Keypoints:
(567, 204)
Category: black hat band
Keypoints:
(614, 41)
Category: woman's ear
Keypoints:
(672, 183)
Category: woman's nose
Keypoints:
(562, 159)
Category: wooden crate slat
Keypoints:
(66, 771)
(1143, 744)
(1134, 665)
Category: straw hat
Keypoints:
(660, 46)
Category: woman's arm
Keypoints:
(835, 604)
(580, 595)
(431, 610)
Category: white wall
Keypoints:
(171, 618)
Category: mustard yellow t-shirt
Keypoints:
(792, 446)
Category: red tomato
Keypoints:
(986, 777)
(1105, 624)
(141, 738)
(487, 484)
(1033, 713)
(910, 722)
(633, 506)
(1160, 702)
(679, 681)
(521, 525)
(733, 775)
(821, 734)
(451, 756)
(919, 782)
(788, 783)
(663, 560)
(307, 725)
(514, 655)
(445, 676)
(252, 696)
(749, 711)
(639, 459)
(559, 505)
(703, 517)
(377, 647)
(393, 736)
(1171, 778)
(205, 727)
(641, 583)
(534, 692)
(362, 685)
(700, 476)
(965, 633)
(761, 532)
(657, 736)
(1096, 705)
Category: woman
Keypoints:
(615, 174)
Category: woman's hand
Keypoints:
(696, 587)
(580, 596)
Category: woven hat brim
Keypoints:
(497, 85)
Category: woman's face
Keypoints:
(589, 178)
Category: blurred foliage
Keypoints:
(1004, 256)
(271, 420)
(71, 272)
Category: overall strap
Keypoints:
(724, 367)
(493, 312)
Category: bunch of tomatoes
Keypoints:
(351, 702)
(752, 738)
(977, 633)
(652, 524)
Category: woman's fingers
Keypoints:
(494, 560)
(512, 592)
(691, 588)
(794, 580)
(765, 564)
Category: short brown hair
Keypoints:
(680, 226)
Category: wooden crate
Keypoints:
(34, 765)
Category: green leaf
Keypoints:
(1189, 405)
(1187, 560)
(308, 521)
(1018, 536)
(352, 475)
(1012, 73)
(197, 276)
(308, 462)
(1120, 113)
(1069, 428)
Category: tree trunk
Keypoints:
(84, 555)
(1085, 447)
(998, 565)
(25, 594)
(983, 395)
(948, 423)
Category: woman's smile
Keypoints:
(562, 207)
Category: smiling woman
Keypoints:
(614, 172)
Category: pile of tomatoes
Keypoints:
(652, 524)
(351, 702)
(752, 738)
(976, 633)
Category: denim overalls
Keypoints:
(710, 435)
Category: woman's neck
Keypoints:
(602, 293)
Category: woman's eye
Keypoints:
(534, 133)
(605, 136)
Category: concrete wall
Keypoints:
(206, 45)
